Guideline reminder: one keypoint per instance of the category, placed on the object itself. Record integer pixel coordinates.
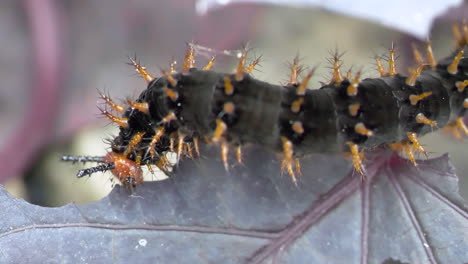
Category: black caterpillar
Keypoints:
(346, 115)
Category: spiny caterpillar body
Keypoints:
(179, 109)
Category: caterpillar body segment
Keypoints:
(234, 109)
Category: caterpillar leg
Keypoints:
(239, 154)
(357, 158)
(413, 138)
(409, 147)
(288, 160)
(224, 155)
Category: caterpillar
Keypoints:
(348, 114)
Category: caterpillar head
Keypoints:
(126, 170)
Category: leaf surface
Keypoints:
(254, 214)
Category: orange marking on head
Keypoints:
(422, 119)
(142, 107)
(221, 127)
(302, 88)
(392, 61)
(224, 154)
(430, 55)
(361, 129)
(172, 94)
(352, 89)
(189, 59)
(122, 122)
(413, 137)
(239, 154)
(169, 78)
(461, 85)
(453, 67)
(461, 124)
(229, 108)
(356, 157)
(296, 105)
(415, 98)
(141, 70)
(353, 109)
(228, 87)
(297, 127)
(136, 138)
(111, 103)
(411, 80)
(210, 64)
(252, 65)
(126, 170)
(240, 66)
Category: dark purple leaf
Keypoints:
(400, 214)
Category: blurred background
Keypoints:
(56, 55)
